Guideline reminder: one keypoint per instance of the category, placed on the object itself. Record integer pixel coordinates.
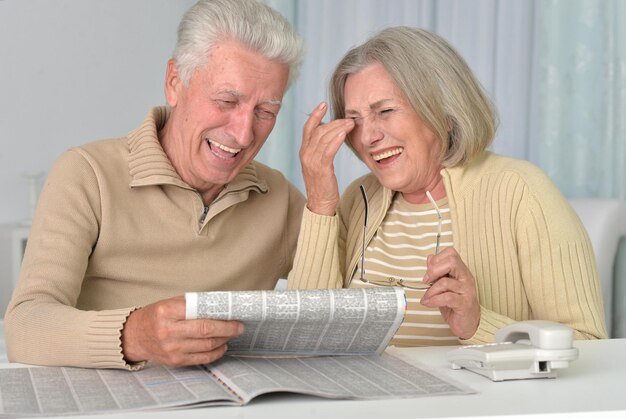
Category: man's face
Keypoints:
(221, 119)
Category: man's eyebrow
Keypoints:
(239, 95)
(273, 102)
(231, 92)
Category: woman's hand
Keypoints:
(320, 143)
(453, 290)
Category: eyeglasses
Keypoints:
(391, 281)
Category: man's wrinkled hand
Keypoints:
(160, 333)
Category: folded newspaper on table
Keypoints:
(235, 381)
(330, 322)
(306, 322)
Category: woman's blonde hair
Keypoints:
(435, 80)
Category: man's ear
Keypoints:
(173, 83)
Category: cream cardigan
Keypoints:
(117, 228)
(525, 245)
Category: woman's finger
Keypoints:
(314, 120)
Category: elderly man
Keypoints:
(125, 226)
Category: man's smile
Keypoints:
(222, 151)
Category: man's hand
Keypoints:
(159, 332)
(453, 290)
(320, 144)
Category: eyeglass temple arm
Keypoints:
(364, 195)
(432, 201)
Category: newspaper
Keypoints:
(45, 391)
(306, 322)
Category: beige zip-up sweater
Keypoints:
(116, 228)
(526, 247)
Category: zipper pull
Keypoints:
(204, 213)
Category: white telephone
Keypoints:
(527, 349)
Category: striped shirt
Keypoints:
(399, 249)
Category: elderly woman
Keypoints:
(477, 240)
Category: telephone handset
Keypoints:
(527, 349)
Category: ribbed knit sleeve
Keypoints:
(559, 268)
(316, 264)
(42, 324)
(104, 348)
(529, 253)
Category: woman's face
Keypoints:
(389, 136)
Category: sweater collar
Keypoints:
(148, 164)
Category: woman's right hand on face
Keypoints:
(320, 144)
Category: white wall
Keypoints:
(73, 71)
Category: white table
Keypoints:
(592, 387)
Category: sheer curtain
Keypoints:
(555, 71)
(284, 139)
(580, 120)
